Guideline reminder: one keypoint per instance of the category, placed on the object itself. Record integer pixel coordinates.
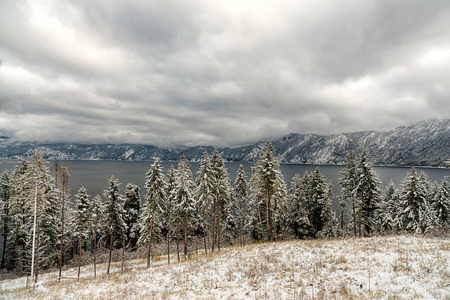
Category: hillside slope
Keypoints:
(421, 144)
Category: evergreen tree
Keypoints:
(114, 222)
(368, 193)
(169, 206)
(298, 217)
(348, 192)
(221, 196)
(441, 205)
(156, 194)
(412, 199)
(241, 194)
(5, 217)
(132, 207)
(269, 183)
(387, 212)
(186, 205)
(204, 192)
(81, 220)
(96, 222)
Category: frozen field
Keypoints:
(393, 267)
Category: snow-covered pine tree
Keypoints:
(204, 192)
(348, 196)
(156, 194)
(185, 199)
(268, 182)
(81, 221)
(297, 216)
(114, 223)
(132, 206)
(318, 202)
(17, 253)
(5, 217)
(441, 205)
(368, 192)
(221, 196)
(387, 212)
(412, 199)
(241, 194)
(169, 206)
(96, 222)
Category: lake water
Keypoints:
(94, 175)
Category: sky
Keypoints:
(222, 73)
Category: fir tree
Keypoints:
(348, 193)
(241, 193)
(387, 212)
(114, 216)
(441, 205)
(96, 222)
(269, 183)
(298, 216)
(132, 207)
(412, 199)
(156, 194)
(5, 198)
(186, 205)
(169, 206)
(204, 192)
(368, 193)
(81, 220)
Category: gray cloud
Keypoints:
(205, 72)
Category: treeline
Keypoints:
(43, 227)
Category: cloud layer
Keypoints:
(219, 72)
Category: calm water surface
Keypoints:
(94, 175)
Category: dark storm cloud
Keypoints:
(206, 72)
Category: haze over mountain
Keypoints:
(425, 143)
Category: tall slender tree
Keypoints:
(348, 183)
(412, 199)
(241, 193)
(81, 221)
(441, 205)
(5, 198)
(114, 216)
(156, 194)
(169, 206)
(132, 207)
(96, 222)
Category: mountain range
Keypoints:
(425, 143)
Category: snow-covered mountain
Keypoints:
(423, 144)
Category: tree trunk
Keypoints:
(5, 235)
(214, 226)
(151, 236)
(62, 235)
(95, 252)
(110, 253)
(354, 217)
(37, 253)
(260, 224)
(269, 233)
(185, 237)
(241, 224)
(178, 245)
(360, 216)
(219, 230)
(79, 256)
(168, 245)
(204, 231)
(123, 254)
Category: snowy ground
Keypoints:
(394, 267)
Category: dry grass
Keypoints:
(395, 267)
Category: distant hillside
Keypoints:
(422, 144)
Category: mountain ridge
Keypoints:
(425, 143)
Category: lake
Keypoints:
(94, 175)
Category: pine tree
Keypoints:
(156, 194)
(348, 193)
(441, 205)
(269, 183)
(412, 199)
(204, 192)
(62, 175)
(185, 200)
(221, 196)
(96, 222)
(169, 206)
(241, 193)
(114, 216)
(132, 207)
(298, 217)
(5, 199)
(387, 212)
(81, 220)
(368, 193)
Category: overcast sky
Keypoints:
(219, 72)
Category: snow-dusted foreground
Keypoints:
(394, 267)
